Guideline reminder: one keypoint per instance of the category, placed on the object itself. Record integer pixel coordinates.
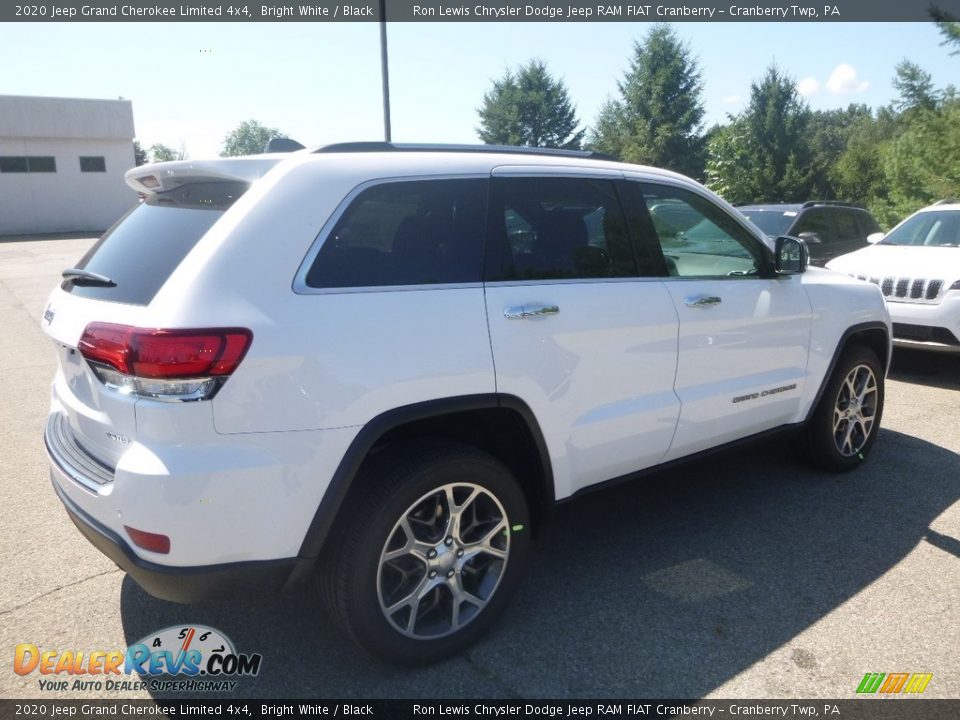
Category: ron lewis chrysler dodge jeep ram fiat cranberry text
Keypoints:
(371, 364)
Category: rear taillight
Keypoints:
(173, 365)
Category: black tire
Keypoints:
(820, 443)
(392, 484)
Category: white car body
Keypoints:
(626, 377)
(921, 283)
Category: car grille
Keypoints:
(905, 289)
(71, 457)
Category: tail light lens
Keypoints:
(172, 365)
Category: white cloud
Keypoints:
(730, 99)
(844, 81)
(808, 86)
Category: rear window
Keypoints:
(142, 250)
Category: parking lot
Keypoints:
(745, 575)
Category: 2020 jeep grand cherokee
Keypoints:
(371, 364)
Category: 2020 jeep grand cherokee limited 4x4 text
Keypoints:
(372, 364)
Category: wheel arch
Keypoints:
(874, 335)
(502, 425)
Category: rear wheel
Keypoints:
(845, 423)
(428, 551)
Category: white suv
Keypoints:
(917, 266)
(375, 364)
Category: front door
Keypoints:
(744, 333)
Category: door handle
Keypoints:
(522, 312)
(701, 301)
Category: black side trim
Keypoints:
(179, 584)
(848, 333)
(371, 432)
(654, 469)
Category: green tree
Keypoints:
(657, 118)
(765, 154)
(529, 107)
(830, 132)
(858, 173)
(139, 154)
(922, 163)
(915, 86)
(248, 138)
(949, 28)
(162, 153)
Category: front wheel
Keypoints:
(428, 552)
(846, 421)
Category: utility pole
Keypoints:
(384, 72)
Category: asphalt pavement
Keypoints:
(747, 575)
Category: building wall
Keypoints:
(67, 200)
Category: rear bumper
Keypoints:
(180, 584)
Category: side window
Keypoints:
(815, 221)
(846, 226)
(868, 225)
(418, 232)
(699, 239)
(557, 228)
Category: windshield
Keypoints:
(936, 228)
(772, 222)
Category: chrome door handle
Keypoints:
(521, 312)
(701, 300)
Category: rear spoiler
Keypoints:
(160, 177)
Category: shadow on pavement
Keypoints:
(666, 588)
(939, 370)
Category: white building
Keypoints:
(62, 162)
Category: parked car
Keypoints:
(829, 228)
(917, 267)
(374, 365)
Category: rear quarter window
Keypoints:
(411, 232)
(141, 251)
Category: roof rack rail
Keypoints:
(380, 146)
(838, 203)
(947, 201)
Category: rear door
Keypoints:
(744, 333)
(135, 257)
(849, 234)
(577, 333)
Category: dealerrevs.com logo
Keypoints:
(894, 683)
(193, 658)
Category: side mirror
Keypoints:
(874, 238)
(790, 255)
(811, 238)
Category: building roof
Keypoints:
(23, 116)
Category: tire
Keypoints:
(415, 601)
(839, 434)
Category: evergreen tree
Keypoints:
(657, 118)
(765, 154)
(528, 107)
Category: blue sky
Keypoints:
(191, 83)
